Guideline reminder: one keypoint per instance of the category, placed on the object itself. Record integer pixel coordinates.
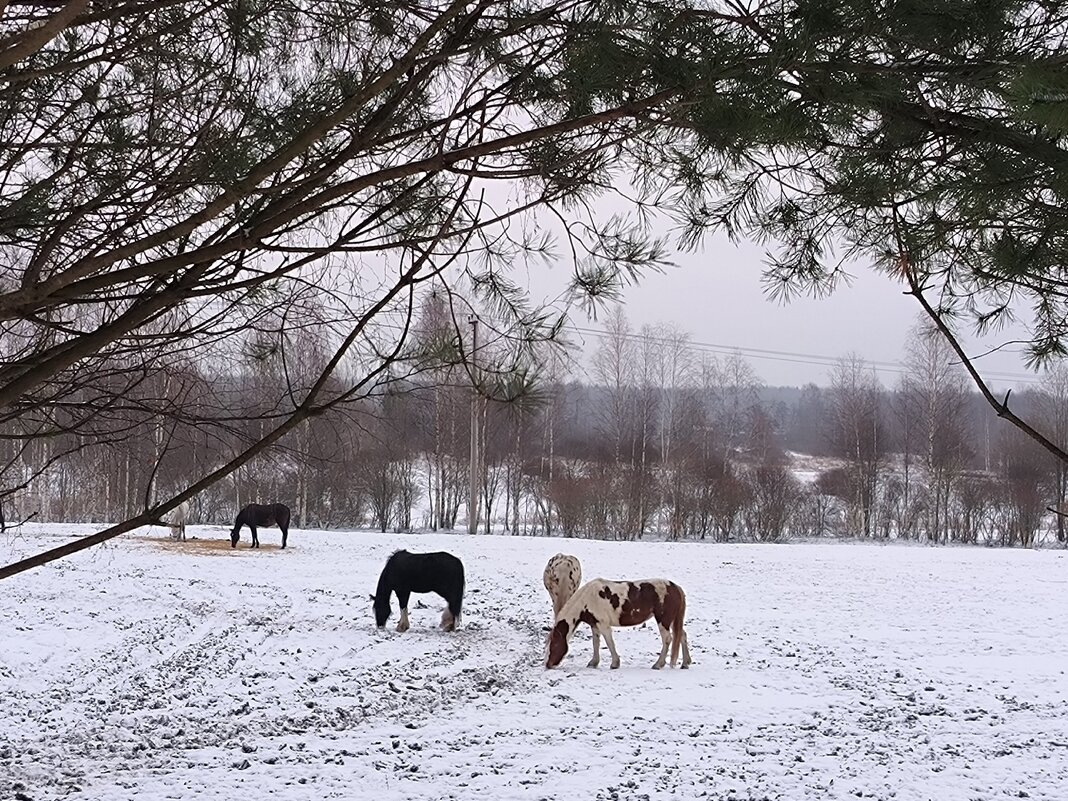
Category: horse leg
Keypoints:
(665, 636)
(285, 535)
(402, 599)
(596, 649)
(183, 532)
(255, 537)
(450, 619)
(686, 662)
(607, 634)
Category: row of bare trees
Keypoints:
(925, 460)
(666, 441)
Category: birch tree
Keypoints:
(859, 435)
(934, 384)
(1053, 417)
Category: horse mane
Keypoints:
(384, 587)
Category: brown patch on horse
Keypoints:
(609, 596)
(588, 618)
(557, 644)
(642, 603)
(674, 605)
(673, 614)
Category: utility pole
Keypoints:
(472, 498)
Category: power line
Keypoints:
(791, 357)
(765, 354)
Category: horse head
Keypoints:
(382, 609)
(557, 644)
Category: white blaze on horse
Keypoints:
(605, 604)
(562, 577)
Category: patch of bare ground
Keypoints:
(198, 546)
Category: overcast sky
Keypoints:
(716, 295)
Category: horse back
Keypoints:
(265, 514)
(428, 572)
(632, 603)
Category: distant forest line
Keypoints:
(919, 461)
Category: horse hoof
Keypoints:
(685, 666)
(592, 664)
(658, 666)
(615, 666)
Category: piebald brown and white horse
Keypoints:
(604, 604)
(562, 577)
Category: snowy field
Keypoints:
(156, 670)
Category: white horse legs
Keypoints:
(607, 634)
(665, 638)
(449, 621)
(665, 645)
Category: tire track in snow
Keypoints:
(205, 677)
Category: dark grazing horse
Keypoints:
(261, 514)
(406, 573)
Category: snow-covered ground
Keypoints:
(153, 669)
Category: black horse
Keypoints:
(261, 514)
(406, 573)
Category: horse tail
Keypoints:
(456, 603)
(678, 635)
(463, 587)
